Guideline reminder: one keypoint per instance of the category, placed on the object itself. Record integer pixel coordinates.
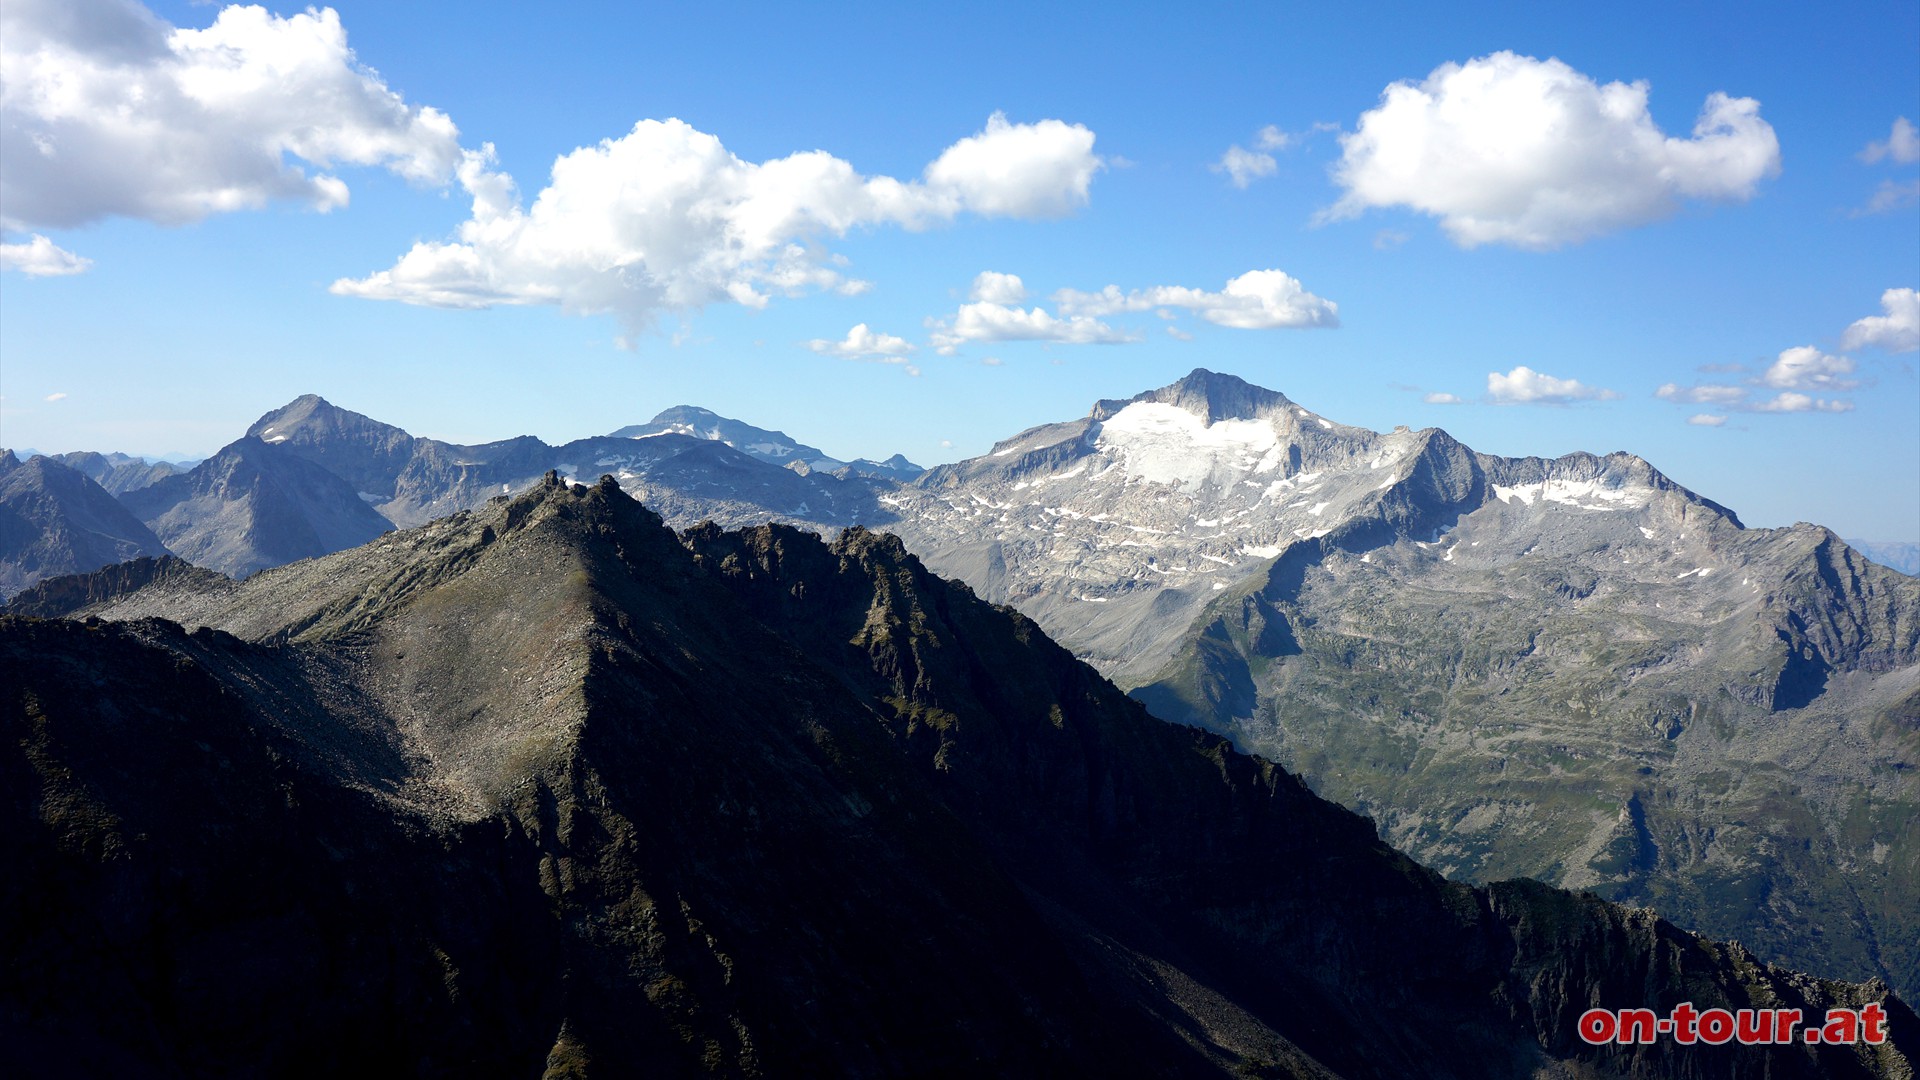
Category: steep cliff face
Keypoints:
(548, 785)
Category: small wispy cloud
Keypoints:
(1525, 386)
(1243, 166)
(1792, 374)
(1256, 300)
(1722, 394)
(1888, 197)
(1793, 402)
(1901, 145)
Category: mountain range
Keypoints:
(547, 787)
(1571, 669)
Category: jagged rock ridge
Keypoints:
(1572, 669)
(548, 786)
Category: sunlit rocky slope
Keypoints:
(547, 788)
(1573, 669)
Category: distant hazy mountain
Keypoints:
(118, 473)
(774, 446)
(690, 463)
(1572, 669)
(545, 789)
(1901, 556)
(896, 467)
(253, 505)
(698, 423)
(55, 520)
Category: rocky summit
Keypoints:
(1571, 669)
(546, 788)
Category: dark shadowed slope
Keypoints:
(546, 785)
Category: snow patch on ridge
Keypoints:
(1584, 494)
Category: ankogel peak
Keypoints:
(1210, 395)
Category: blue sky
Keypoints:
(1508, 205)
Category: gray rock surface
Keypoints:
(545, 786)
(55, 520)
(1570, 669)
(118, 473)
(255, 505)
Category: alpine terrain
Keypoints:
(1570, 669)
(1574, 669)
(545, 788)
(57, 520)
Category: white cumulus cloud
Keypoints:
(983, 320)
(1508, 149)
(1902, 145)
(862, 343)
(997, 288)
(109, 111)
(1804, 367)
(1256, 300)
(40, 257)
(1896, 331)
(666, 218)
(1014, 170)
(1525, 386)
